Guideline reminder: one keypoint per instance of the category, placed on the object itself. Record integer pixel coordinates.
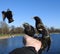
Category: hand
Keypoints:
(30, 41)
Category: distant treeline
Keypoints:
(6, 29)
(54, 30)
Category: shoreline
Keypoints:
(54, 33)
(10, 36)
(5, 37)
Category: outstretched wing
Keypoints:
(3, 15)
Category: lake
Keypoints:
(7, 45)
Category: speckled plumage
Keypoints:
(46, 41)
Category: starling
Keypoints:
(28, 29)
(7, 14)
(46, 41)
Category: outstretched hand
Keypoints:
(30, 41)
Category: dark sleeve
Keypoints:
(24, 50)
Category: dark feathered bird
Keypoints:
(28, 29)
(7, 14)
(46, 41)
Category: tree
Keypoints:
(4, 28)
(12, 29)
(18, 30)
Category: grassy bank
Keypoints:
(11, 34)
(4, 36)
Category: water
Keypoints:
(55, 45)
(7, 45)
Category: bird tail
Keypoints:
(49, 44)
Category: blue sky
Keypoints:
(25, 10)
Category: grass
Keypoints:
(11, 34)
(4, 36)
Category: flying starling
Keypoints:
(7, 14)
(46, 41)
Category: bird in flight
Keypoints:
(7, 14)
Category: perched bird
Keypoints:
(46, 41)
(7, 14)
(28, 29)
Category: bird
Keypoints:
(7, 14)
(29, 29)
(46, 40)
